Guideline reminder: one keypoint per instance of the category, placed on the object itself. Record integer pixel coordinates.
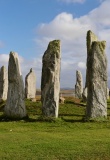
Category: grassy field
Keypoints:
(67, 138)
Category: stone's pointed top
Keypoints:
(53, 49)
(89, 32)
(31, 70)
(3, 68)
(14, 54)
(54, 43)
(77, 71)
(91, 37)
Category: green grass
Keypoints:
(66, 138)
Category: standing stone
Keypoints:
(3, 83)
(30, 85)
(97, 81)
(15, 106)
(79, 85)
(91, 37)
(50, 81)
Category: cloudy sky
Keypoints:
(27, 26)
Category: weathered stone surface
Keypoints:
(97, 81)
(3, 83)
(15, 106)
(91, 37)
(50, 82)
(79, 85)
(107, 93)
(84, 95)
(30, 85)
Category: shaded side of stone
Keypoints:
(15, 105)
(79, 85)
(84, 95)
(30, 85)
(50, 81)
(3, 83)
(97, 81)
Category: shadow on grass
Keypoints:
(74, 120)
(41, 118)
(74, 103)
(70, 115)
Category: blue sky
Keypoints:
(27, 26)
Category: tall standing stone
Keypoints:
(3, 83)
(50, 81)
(79, 85)
(30, 85)
(15, 106)
(91, 37)
(97, 81)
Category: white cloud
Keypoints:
(72, 1)
(4, 58)
(81, 65)
(72, 33)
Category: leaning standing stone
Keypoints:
(15, 106)
(30, 85)
(79, 85)
(3, 83)
(97, 81)
(50, 82)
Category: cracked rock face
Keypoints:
(3, 83)
(30, 85)
(79, 85)
(97, 81)
(15, 106)
(50, 82)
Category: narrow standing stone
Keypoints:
(3, 83)
(97, 81)
(15, 106)
(50, 82)
(91, 37)
(79, 85)
(30, 85)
